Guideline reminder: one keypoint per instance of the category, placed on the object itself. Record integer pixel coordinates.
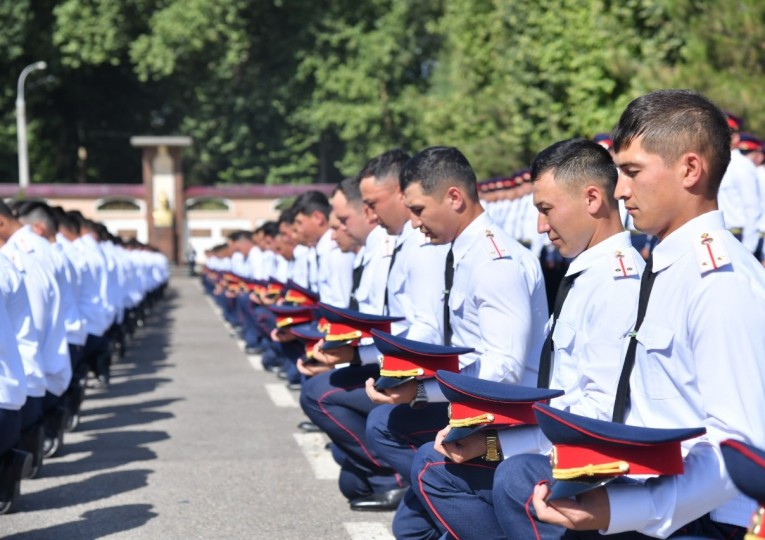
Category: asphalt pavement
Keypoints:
(191, 440)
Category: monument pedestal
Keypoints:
(163, 178)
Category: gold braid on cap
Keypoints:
(615, 467)
(485, 418)
(406, 373)
(284, 322)
(342, 337)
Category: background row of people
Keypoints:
(70, 296)
(636, 354)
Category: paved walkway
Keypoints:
(190, 441)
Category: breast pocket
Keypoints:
(659, 375)
(396, 283)
(564, 336)
(457, 303)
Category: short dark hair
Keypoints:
(386, 165)
(312, 201)
(66, 221)
(240, 235)
(437, 168)
(350, 189)
(36, 211)
(270, 229)
(672, 122)
(574, 162)
(6, 211)
(287, 216)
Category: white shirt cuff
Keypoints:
(631, 508)
(433, 391)
(523, 440)
(369, 354)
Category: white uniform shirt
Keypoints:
(88, 295)
(739, 198)
(16, 300)
(240, 265)
(699, 362)
(13, 384)
(281, 269)
(375, 256)
(254, 264)
(66, 278)
(498, 305)
(416, 286)
(31, 255)
(300, 265)
(335, 272)
(97, 264)
(597, 315)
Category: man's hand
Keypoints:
(310, 368)
(332, 357)
(471, 447)
(269, 300)
(399, 395)
(282, 336)
(589, 512)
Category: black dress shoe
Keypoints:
(295, 386)
(253, 350)
(14, 465)
(386, 500)
(309, 427)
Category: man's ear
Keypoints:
(455, 197)
(39, 229)
(693, 168)
(594, 199)
(319, 217)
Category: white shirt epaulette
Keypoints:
(711, 252)
(24, 245)
(623, 265)
(16, 259)
(497, 250)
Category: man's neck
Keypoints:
(469, 216)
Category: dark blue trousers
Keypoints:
(395, 432)
(514, 484)
(246, 314)
(457, 497)
(10, 429)
(337, 402)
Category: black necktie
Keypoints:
(357, 272)
(623, 388)
(448, 280)
(386, 310)
(545, 358)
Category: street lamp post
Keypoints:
(21, 124)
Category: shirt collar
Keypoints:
(592, 256)
(325, 242)
(470, 235)
(679, 242)
(406, 232)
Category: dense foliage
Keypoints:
(276, 91)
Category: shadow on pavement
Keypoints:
(94, 524)
(98, 487)
(105, 451)
(125, 415)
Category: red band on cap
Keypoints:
(424, 366)
(298, 297)
(662, 459)
(508, 414)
